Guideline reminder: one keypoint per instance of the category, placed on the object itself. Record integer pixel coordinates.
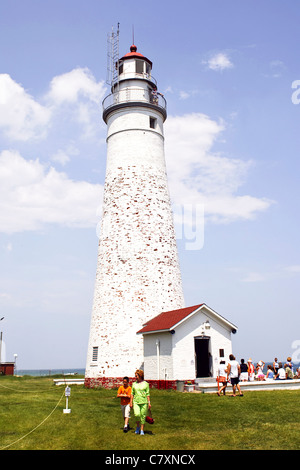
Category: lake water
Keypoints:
(45, 372)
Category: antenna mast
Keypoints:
(113, 56)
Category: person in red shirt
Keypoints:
(250, 371)
(124, 392)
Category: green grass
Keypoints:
(31, 407)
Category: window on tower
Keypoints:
(120, 69)
(139, 66)
(95, 353)
(153, 122)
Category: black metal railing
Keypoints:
(134, 95)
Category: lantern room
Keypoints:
(134, 65)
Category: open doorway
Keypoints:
(202, 356)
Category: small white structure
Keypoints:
(186, 344)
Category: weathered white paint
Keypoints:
(165, 359)
(138, 273)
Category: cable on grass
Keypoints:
(36, 427)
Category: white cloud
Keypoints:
(32, 196)
(277, 68)
(69, 87)
(219, 62)
(61, 157)
(184, 95)
(198, 176)
(275, 273)
(188, 139)
(21, 117)
(254, 277)
(169, 89)
(76, 93)
(79, 96)
(293, 268)
(4, 295)
(9, 247)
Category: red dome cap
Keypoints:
(133, 53)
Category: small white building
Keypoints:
(185, 344)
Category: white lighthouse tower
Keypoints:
(138, 274)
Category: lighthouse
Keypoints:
(138, 274)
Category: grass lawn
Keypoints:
(33, 407)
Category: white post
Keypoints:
(158, 358)
(15, 368)
(0, 347)
(67, 394)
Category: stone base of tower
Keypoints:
(105, 382)
(163, 384)
(115, 382)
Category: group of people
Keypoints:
(278, 370)
(137, 398)
(235, 372)
(275, 371)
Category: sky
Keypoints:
(230, 73)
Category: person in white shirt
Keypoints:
(234, 370)
(222, 378)
(281, 375)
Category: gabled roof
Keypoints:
(166, 321)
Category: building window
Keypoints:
(120, 69)
(152, 122)
(95, 353)
(221, 352)
(139, 66)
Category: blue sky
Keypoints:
(226, 69)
